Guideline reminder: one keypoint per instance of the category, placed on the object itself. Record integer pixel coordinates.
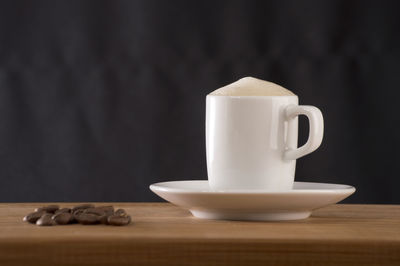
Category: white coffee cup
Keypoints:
(251, 141)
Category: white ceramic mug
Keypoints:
(251, 141)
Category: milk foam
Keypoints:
(249, 86)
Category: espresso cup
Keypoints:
(251, 141)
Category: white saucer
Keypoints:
(202, 202)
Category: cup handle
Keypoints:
(316, 123)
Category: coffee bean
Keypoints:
(78, 211)
(49, 208)
(33, 217)
(63, 210)
(104, 219)
(119, 220)
(96, 211)
(107, 209)
(87, 218)
(63, 218)
(84, 214)
(45, 220)
(75, 214)
(82, 207)
(121, 212)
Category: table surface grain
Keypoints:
(162, 234)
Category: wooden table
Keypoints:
(163, 234)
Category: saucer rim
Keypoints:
(159, 186)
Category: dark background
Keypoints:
(99, 99)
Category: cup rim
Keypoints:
(252, 96)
